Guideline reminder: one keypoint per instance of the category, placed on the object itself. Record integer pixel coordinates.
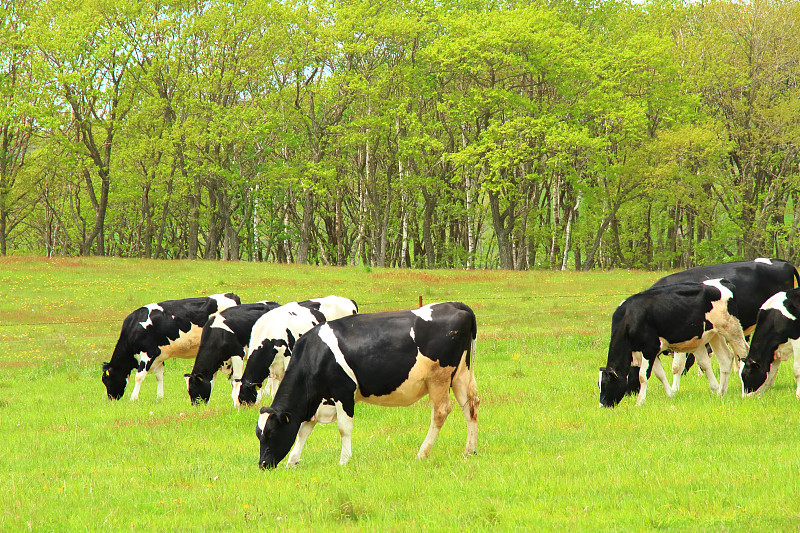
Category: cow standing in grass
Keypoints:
(154, 333)
(776, 338)
(682, 318)
(754, 281)
(273, 339)
(223, 345)
(390, 359)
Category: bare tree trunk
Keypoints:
(568, 241)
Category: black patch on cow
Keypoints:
(314, 308)
(290, 340)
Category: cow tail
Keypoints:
(472, 350)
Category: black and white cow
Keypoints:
(223, 344)
(775, 339)
(682, 318)
(391, 359)
(755, 282)
(154, 333)
(273, 339)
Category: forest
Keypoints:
(558, 134)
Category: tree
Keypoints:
(88, 58)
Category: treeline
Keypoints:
(560, 134)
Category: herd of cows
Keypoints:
(340, 357)
(715, 306)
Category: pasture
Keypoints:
(548, 458)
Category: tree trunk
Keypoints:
(503, 223)
(305, 228)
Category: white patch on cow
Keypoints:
(329, 337)
(777, 302)
(262, 421)
(424, 312)
(223, 302)
(150, 308)
(335, 306)
(724, 291)
(413, 336)
(219, 322)
(763, 260)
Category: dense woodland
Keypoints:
(475, 134)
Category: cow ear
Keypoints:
(264, 410)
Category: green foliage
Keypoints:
(435, 133)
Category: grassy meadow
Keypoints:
(548, 458)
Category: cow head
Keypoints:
(276, 431)
(199, 388)
(613, 387)
(753, 376)
(115, 381)
(248, 392)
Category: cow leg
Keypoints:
(237, 367)
(345, 425)
(725, 360)
(272, 386)
(771, 375)
(141, 373)
(704, 363)
(796, 365)
(439, 394)
(159, 373)
(297, 449)
(643, 381)
(678, 364)
(236, 385)
(658, 370)
(465, 390)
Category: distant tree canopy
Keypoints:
(481, 134)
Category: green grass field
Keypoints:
(548, 458)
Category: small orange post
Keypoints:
(420, 300)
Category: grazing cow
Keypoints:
(154, 333)
(755, 282)
(775, 339)
(391, 359)
(682, 318)
(273, 339)
(223, 344)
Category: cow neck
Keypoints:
(620, 354)
(296, 395)
(123, 358)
